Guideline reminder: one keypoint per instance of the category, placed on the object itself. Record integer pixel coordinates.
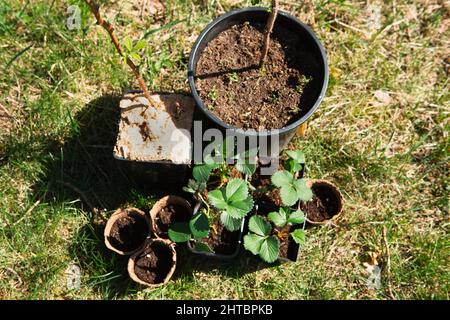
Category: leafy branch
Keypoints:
(110, 29)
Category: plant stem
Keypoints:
(205, 203)
(269, 27)
(110, 29)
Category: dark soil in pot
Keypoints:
(324, 205)
(154, 263)
(169, 215)
(238, 91)
(129, 232)
(222, 241)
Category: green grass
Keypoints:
(61, 89)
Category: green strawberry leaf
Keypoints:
(201, 172)
(217, 199)
(239, 209)
(236, 190)
(252, 243)
(230, 223)
(282, 178)
(296, 217)
(180, 232)
(288, 195)
(296, 155)
(279, 218)
(299, 236)
(199, 226)
(191, 186)
(209, 161)
(246, 168)
(269, 250)
(304, 193)
(292, 166)
(202, 247)
(260, 226)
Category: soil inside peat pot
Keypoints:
(323, 206)
(222, 241)
(238, 91)
(169, 215)
(153, 263)
(128, 233)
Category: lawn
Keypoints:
(381, 134)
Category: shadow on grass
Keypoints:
(84, 168)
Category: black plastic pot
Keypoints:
(317, 69)
(293, 248)
(217, 255)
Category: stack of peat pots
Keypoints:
(141, 236)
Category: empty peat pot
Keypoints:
(126, 231)
(154, 265)
(312, 61)
(326, 204)
(167, 211)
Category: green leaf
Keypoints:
(269, 249)
(135, 56)
(194, 186)
(297, 155)
(141, 44)
(128, 43)
(288, 195)
(239, 209)
(202, 247)
(299, 236)
(180, 232)
(246, 162)
(191, 187)
(199, 226)
(209, 161)
(282, 178)
(230, 223)
(253, 242)
(246, 168)
(217, 199)
(228, 147)
(259, 225)
(292, 166)
(236, 190)
(279, 218)
(201, 172)
(304, 193)
(296, 217)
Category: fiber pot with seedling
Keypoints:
(254, 70)
(223, 202)
(281, 239)
(167, 211)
